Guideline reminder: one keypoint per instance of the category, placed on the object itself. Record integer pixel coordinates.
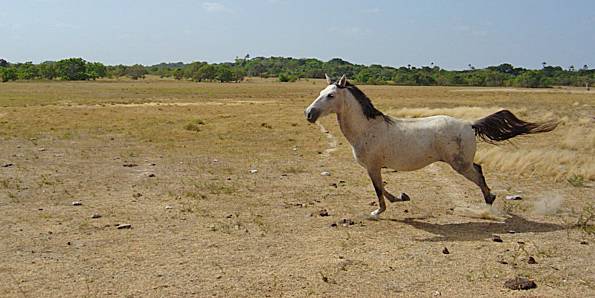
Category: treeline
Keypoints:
(290, 69)
(71, 69)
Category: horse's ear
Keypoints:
(328, 79)
(342, 81)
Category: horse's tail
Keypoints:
(504, 125)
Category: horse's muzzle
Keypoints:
(312, 115)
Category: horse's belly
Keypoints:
(409, 164)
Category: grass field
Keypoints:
(173, 159)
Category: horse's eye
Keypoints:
(331, 95)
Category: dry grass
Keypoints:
(203, 224)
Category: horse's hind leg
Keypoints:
(392, 198)
(376, 177)
(475, 174)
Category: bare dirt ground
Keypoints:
(174, 160)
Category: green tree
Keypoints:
(224, 73)
(47, 70)
(27, 71)
(72, 69)
(8, 74)
(96, 70)
(136, 72)
(207, 72)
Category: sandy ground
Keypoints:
(202, 224)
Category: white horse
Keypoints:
(378, 140)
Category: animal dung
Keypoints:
(77, 203)
(325, 174)
(445, 251)
(253, 171)
(531, 260)
(323, 212)
(96, 215)
(513, 198)
(497, 238)
(123, 226)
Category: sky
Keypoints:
(449, 33)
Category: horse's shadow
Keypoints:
(473, 231)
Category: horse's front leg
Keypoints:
(376, 177)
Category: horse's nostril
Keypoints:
(312, 114)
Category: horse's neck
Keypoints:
(353, 123)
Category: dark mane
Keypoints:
(367, 107)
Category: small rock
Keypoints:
(168, 207)
(520, 283)
(333, 185)
(323, 213)
(347, 222)
(334, 225)
(95, 215)
(531, 260)
(253, 171)
(137, 195)
(152, 164)
(76, 203)
(445, 251)
(511, 231)
(229, 216)
(41, 149)
(325, 174)
(129, 165)
(123, 226)
(373, 203)
(496, 238)
(151, 175)
(6, 165)
(513, 197)
(584, 242)
(436, 293)
(215, 160)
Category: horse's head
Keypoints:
(329, 101)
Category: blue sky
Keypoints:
(452, 34)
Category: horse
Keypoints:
(380, 141)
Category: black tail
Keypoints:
(504, 125)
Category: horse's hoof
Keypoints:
(404, 197)
(375, 215)
(490, 199)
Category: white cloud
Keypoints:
(214, 7)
